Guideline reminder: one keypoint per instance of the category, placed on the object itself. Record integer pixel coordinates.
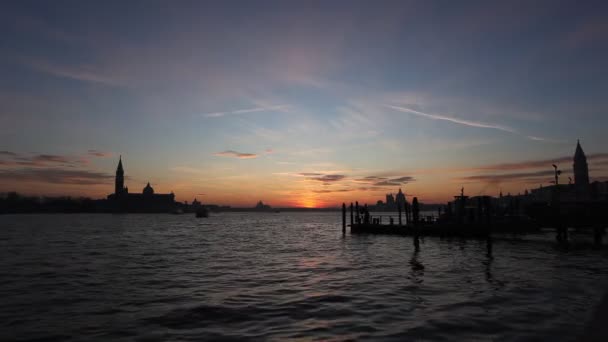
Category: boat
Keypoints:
(202, 212)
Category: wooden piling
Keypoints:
(597, 235)
(343, 218)
(351, 214)
(415, 211)
(399, 209)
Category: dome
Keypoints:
(148, 190)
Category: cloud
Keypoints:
(46, 160)
(309, 174)
(534, 164)
(186, 169)
(79, 73)
(97, 153)
(404, 179)
(235, 154)
(327, 178)
(530, 177)
(248, 110)
(469, 123)
(56, 176)
(370, 179)
(529, 171)
(41, 160)
(385, 181)
(329, 191)
(50, 158)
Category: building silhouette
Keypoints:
(390, 202)
(581, 190)
(146, 202)
(400, 199)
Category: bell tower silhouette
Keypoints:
(119, 182)
(581, 170)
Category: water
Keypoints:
(281, 276)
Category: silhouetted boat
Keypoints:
(202, 212)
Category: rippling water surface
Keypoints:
(281, 276)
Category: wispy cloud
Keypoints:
(80, 73)
(464, 122)
(13, 159)
(528, 177)
(326, 179)
(40, 160)
(248, 110)
(386, 181)
(534, 164)
(8, 153)
(235, 154)
(56, 176)
(100, 154)
(186, 169)
(329, 191)
(529, 171)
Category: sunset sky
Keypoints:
(300, 103)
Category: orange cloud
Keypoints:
(235, 154)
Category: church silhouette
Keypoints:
(145, 202)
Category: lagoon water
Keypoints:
(255, 276)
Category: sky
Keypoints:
(300, 103)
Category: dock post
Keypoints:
(343, 218)
(351, 214)
(415, 211)
(399, 209)
(357, 217)
(488, 214)
(479, 210)
(597, 235)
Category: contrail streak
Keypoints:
(454, 120)
(463, 122)
(248, 110)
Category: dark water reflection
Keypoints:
(281, 276)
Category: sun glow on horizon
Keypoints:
(308, 201)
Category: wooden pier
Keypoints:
(477, 222)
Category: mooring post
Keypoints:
(357, 217)
(415, 211)
(479, 210)
(343, 218)
(399, 209)
(488, 214)
(351, 214)
(597, 235)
